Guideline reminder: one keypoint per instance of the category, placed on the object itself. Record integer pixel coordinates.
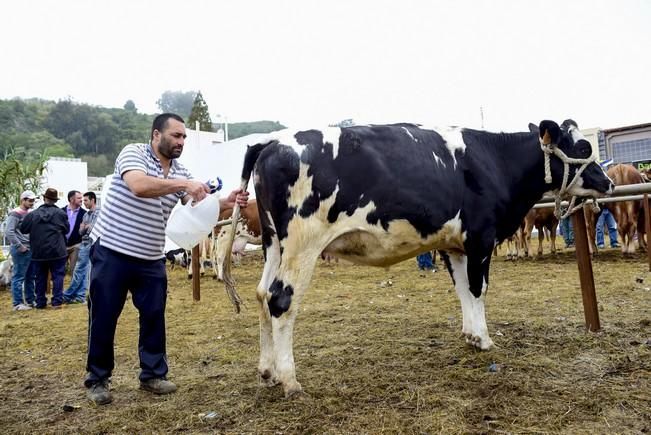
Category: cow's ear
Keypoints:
(533, 128)
(550, 132)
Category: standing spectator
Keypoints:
(127, 254)
(76, 292)
(567, 232)
(47, 227)
(24, 270)
(75, 216)
(606, 218)
(427, 261)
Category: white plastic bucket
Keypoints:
(188, 224)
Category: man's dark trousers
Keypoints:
(112, 275)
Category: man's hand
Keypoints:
(197, 190)
(238, 196)
(22, 249)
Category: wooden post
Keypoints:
(196, 283)
(586, 278)
(647, 228)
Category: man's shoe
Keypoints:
(601, 246)
(22, 307)
(99, 393)
(158, 386)
(615, 245)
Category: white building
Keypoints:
(64, 174)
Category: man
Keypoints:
(75, 215)
(76, 292)
(127, 254)
(24, 270)
(47, 227)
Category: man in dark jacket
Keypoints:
(75, 214)
(47, 227)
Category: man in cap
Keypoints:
(22, 282)
(48, 226)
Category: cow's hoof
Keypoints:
(295, 391)
(267, 378)
(481, 343)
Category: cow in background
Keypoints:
(177, 257)
(247, 231)
(542, 219)
(626, 213)
(6, 272)
(380, 194)
(205, 247)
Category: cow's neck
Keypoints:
(525, 178)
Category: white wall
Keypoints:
(64, 175)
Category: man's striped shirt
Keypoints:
(131, 225)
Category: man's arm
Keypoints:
(145, 186)
(26, 224)
(12, 225)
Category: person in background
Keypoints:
(47, 227)
(75, 216)
(22, 282)
(127, 253)
(76, 291)
(567, 232)
(426, 261)
(606, 218)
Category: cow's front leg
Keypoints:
(471, 283)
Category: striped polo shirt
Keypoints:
(131, 225)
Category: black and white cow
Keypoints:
(177, 257)
(377, 195)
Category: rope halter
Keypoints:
(548, 149)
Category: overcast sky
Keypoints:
(310, 63)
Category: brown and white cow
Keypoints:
(542, 219)
(625, 212)
(380, 194)
(247, 231)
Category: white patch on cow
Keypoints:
(472, 308)
(453, 139)
(409, 134)
(302, 188)
(331, 135)
(576, 133)
(438, 159)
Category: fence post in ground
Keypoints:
(196, 283)
(586, 278)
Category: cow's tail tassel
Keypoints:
(229, 282)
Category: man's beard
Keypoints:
(167, 149)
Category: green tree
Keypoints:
(200, 113)
(17, 173)
(130, 106)
(177, 102)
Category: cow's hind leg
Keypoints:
(284, 297)
(470, 276)
(266, 366)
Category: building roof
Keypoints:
(628, 128)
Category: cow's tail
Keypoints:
(252, 154)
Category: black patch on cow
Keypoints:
(281, 298)
(277, 169)
(318, 154)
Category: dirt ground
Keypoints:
(377, 351)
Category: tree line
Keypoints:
(34, 129)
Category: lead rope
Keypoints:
(550, 149)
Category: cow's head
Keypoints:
(573, 168)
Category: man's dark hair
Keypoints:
(72, 193)
(161, 120)
(91, 196)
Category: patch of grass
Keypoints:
(372, 358)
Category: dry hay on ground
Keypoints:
(372, 357)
